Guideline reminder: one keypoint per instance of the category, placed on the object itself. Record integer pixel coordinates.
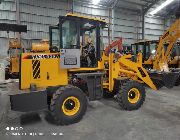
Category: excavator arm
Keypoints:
(115, 43)
(170, 37)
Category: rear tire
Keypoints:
(131, 95)
(68, 105)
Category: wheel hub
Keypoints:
(71, 106)
(133, 95)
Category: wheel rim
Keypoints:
(133, 95)
(71, 106)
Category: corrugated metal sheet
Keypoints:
(7, 10)
(154, 27)
(7, 6)
(4, 47)
(7, 15)
(39, 14)
(94, 12)
(126, 25)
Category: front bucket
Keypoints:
(167, 79)
(177, 81)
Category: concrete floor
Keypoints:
(157, 119)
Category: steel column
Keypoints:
(113, 12)
(18, 17)
(143, 25)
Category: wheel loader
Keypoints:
(75, 71)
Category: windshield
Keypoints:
(150, 50)
(69, 35)
(102, 40)
(140, 49)
(175, 51)
(153, 48)
(133, 46)
(13, 52)
(55, 37)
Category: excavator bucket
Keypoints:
(167, 79)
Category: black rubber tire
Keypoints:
(14, 76)
(107, 94)
(122, 96)
(7, 73)
(56, 103)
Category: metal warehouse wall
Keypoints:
(39, 14)
(7, 15)
(88, 10)
(127, 25)
(154, 27)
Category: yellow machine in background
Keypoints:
(43, 46)
(148, 50)
(163, 53)
(14, 51)
(14, 48)
(63, 80)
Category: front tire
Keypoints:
(131, 95)
(68, 105)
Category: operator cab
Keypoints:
(78, 39)
(15, 48)
(147, 48)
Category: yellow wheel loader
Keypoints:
(14, 50)
(76, 70)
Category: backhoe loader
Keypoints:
(163, 54)
(150, 49)
(76, 70)
(170, 37)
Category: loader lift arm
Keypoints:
(133, 70)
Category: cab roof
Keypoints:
(83, 19)
(145, 41)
